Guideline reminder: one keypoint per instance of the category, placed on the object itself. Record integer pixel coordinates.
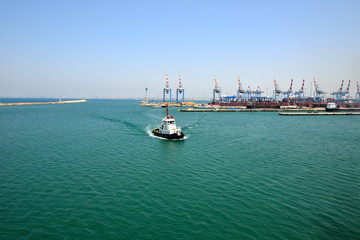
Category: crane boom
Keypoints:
(167, 82)
(290, 89)
(341, 87)
(348, 87)
(302, 86)
(275, 84)
(315, 85)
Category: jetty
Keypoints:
(317, 113)
(42, 103)
(249, 110)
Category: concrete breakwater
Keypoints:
(41, 103)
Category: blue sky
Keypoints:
(117, 48)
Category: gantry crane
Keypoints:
(289, 92)
(167, 89)
(337, 94)
(318, 93)
(239, 91)
(277, 92)
(346, 93)
(180, 90)
(300, 93)
(216, 90)
(258, 93)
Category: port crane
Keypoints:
(277, 92)
(341, 95)
(240, 91)
(180, 90)
(289, 92)
(300, 93)
(258, 93)
(318, 92)
(357, 95)
(248, 93)
(346, 94)
(167, 89)
(337, 94)
(216, 90)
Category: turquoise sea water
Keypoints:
(93, 171)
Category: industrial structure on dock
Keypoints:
(167, 90)
(180, 91)
(255, 99)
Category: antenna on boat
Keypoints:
(167, 110)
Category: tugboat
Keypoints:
(168, 128)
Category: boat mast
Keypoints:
(167, 110)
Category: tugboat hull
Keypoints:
(168, 136)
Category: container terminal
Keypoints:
(289, 99)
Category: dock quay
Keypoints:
(249, 110)
(41, 103)
(170, 104)
(317, 113)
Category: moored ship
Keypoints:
(332, 107)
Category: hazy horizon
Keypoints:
(112, 49)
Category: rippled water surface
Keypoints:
(93, 171)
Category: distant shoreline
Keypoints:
(41, 103)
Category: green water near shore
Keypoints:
(92, 170)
